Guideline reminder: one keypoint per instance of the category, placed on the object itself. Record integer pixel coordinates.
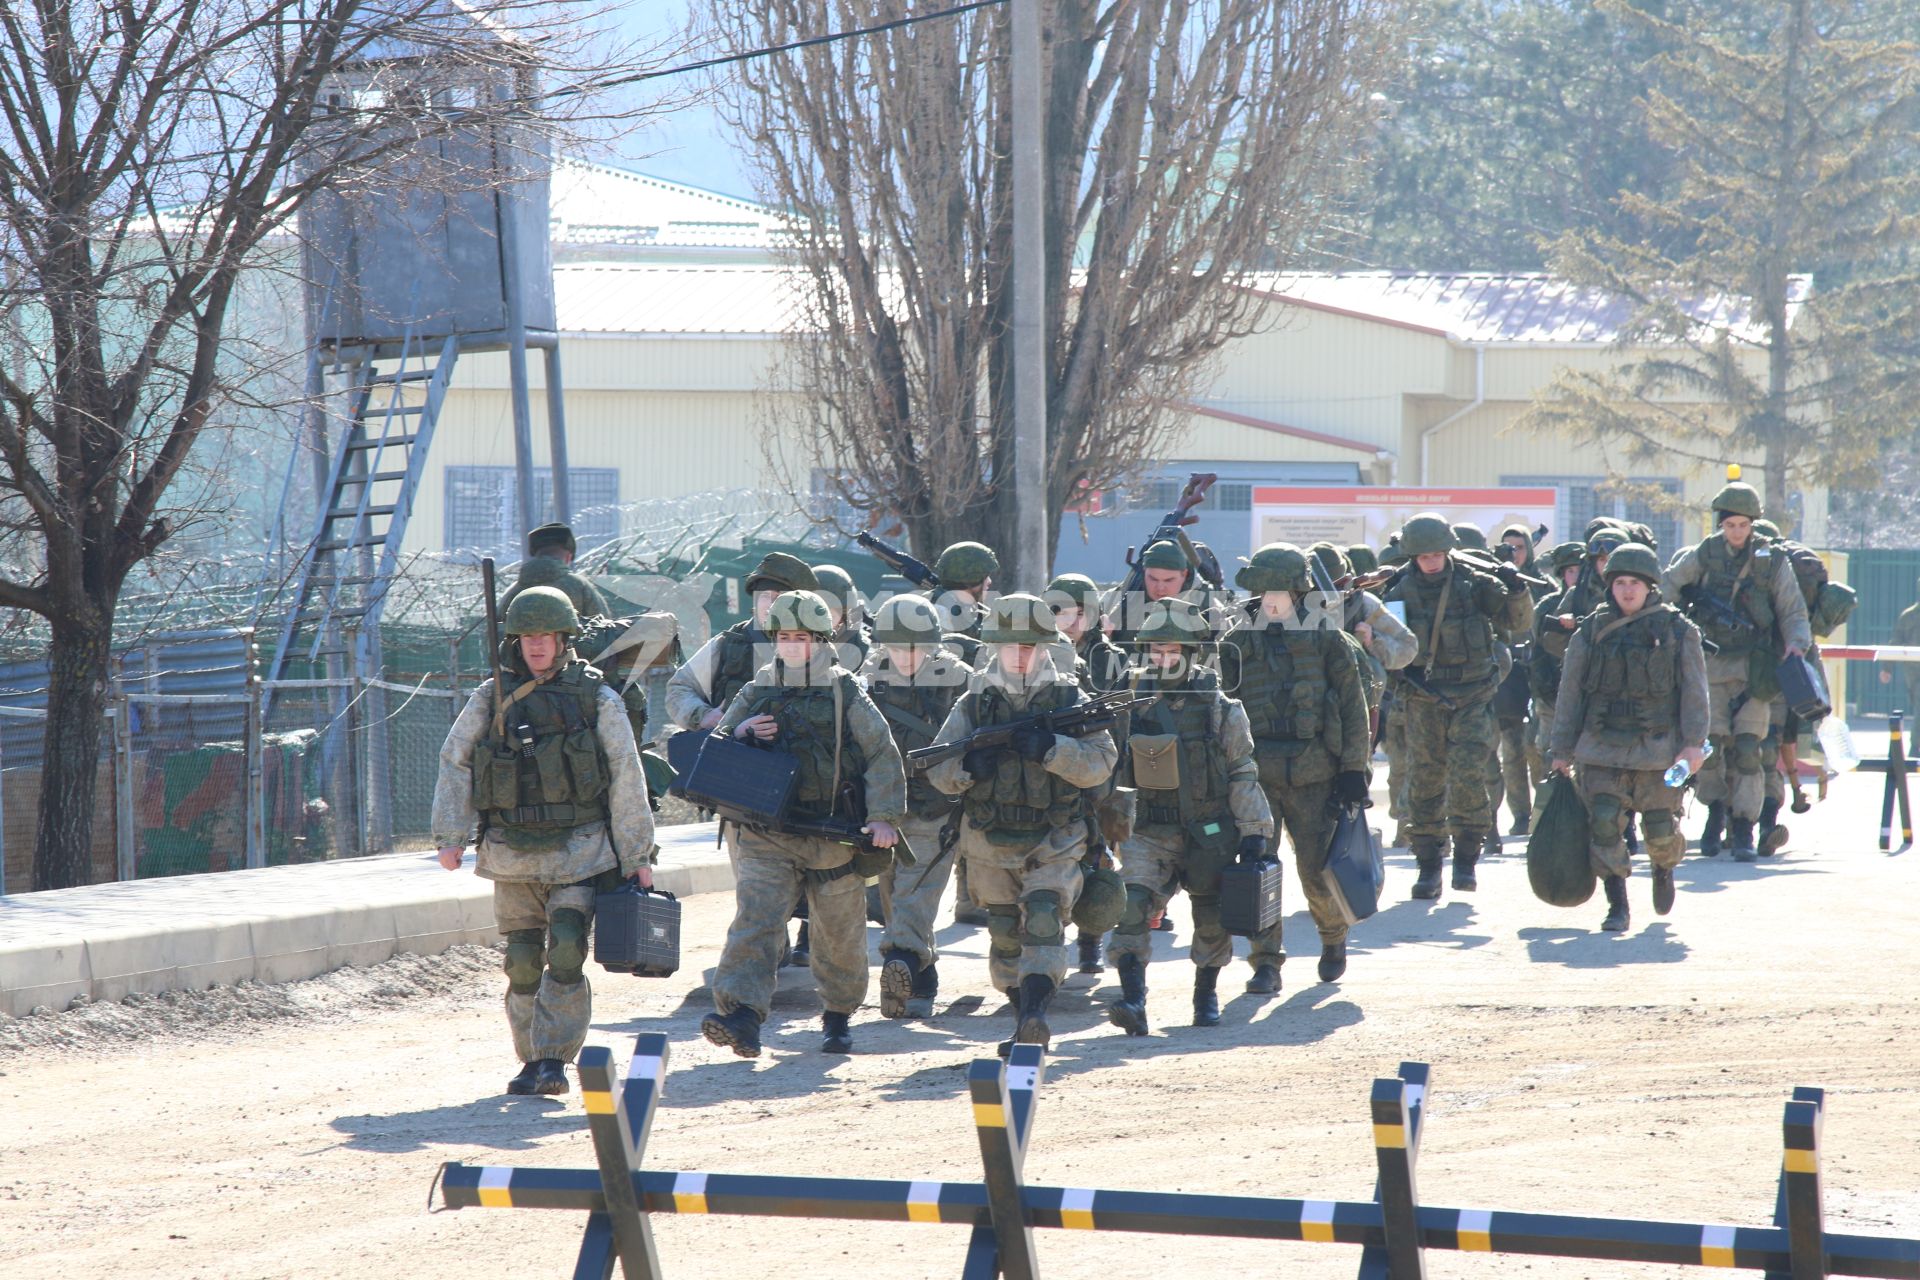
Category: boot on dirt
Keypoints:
(521, 1086)
(1035, 994)
(1740, 839)
(1090, 953)
(551, 1079)
(739, 1031)
(1427, 855)
(1617, 915)
(1206, 996)
(1522, 824)
(802, 954)
(1466, 852)
(1333, 961)
(1265, 980)
(1710, 834)
(1490, 848)
(926, 985)
(898, 969)
(1129, 1012)
(835, 1035)
(1013, 999)
(1662, 890)
(1773, 836)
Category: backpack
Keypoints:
(1829, 603)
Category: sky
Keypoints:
(691, 145)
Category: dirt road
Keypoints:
(295, 1132)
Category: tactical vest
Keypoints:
(915, 712)
(1633, 675)
(1191, 713)
(1020, 801)
(1465, 635)
(1283, 684)
(736, 660)
(549, 774)
(807, 730)
(1751, 597)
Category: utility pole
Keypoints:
(1029, 304)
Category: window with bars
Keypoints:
(483, 507)
(1225, 495)
(1580, 499)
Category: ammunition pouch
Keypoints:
(1156, 761)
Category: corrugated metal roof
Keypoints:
(1486, 307)
(629, 297)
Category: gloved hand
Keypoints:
(981, 761)
(1252, 849)
(1509, 577)
(1032, 742)
(1350, 786)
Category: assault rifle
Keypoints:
(914, 571)
(493, 644)
(1095, 713)
(1173, 528)
(847, 832)
(1720, 611)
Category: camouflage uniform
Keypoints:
(546, 859)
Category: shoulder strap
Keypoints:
(839, 725)
(1439, 616)
(1623, 621)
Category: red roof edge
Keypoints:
(1282, 429)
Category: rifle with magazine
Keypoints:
(913, 570)
(1723, 612)
(1100, 711)
(1173, 528)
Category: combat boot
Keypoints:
(1427, 855)
(1710, 835)
(1129, 1012)
(802, 954)
(1522, 823)
(739, 1030)
(1013, 1000)
(1662, 890)
(1491, 849)
(836, 1035)
(1466, 852)
(1163, 923)
(898, 969)
(1090, 953)
(1333, 961)
(926, 985)
(552, 1077)
(1773, 836)
(522, 1085)
(1740, 839)
(1206, 996)
(1036, 993)
(1265, 980)
(1617, 916)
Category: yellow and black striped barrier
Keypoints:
(1004, 1211)
(1896, 788)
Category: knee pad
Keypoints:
(1607, 819)
(1043, 927)
(1659, 823)
(1133, 917)
(1003, 931)
(567, 952)
(1206, 915)
(526, 956)
(1746, 755)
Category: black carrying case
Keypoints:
(1802, 687)
(636, 931)
(745, 784)
(1250, 897)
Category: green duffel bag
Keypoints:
(1559, 864)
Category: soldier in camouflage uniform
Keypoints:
(1550, 640)
(553, 785)
(806, 705)
(1188, 803)
(1633, 702)
(1299, 677)
(549, 563)
(1385, 643)
(852, 632)
(1519, 758)
(1452, 608)
(914, 679)
(966, 571)
(1742, 596)
(1023, 827)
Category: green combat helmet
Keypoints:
(778, 571)
(1164, 554)
(966, 564)
(541, 609)
(1077, 587)
(1635, 559)
(1426, 534)
(907, 619)
(1564, 555)
(552, 537)
(1102, 900)
(800, 611)
(1363, 559)
(1607, 540)
(1767, 529)
(1173, 622)
(1332, 559)
(1738, 499)
(835, 585)
(1470, 535)
(1020, 619)
(1278, 566)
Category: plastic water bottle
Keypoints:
(1836, 743)
(1678, 773)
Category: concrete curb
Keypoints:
(276, 924)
